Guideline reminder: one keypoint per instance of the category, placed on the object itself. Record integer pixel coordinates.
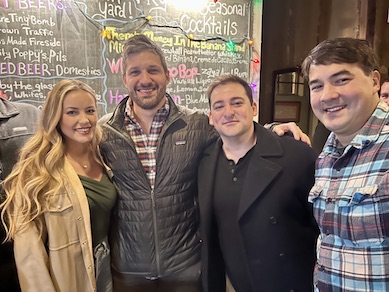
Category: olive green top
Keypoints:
(101, 198)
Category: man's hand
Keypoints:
(281, 129)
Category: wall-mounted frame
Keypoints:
(287, 111)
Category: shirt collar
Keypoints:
(129, 112)
(369, 133)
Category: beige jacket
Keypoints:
(61, 259)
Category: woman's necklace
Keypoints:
(83, 165)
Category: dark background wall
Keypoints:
(291, 28)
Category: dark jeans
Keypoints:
(160, 285)
(187, 281)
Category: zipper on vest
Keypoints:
(156, 240)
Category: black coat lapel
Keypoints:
(262, 170)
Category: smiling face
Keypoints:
(384, 92)
(343, 97)
(79, 117)
(231, 112)
(145, 80)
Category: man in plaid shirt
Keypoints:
(351, 192)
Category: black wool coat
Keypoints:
(275, 218)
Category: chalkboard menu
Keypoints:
(44, 41)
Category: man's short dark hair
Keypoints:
(342, 50)
(140, 43)
(225, 79)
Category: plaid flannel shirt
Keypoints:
(146, 145)
(351, 205)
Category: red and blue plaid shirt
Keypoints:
(146, 145)
(351, 205)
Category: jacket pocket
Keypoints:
(61, 222)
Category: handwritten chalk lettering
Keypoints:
(6, 87)
(115, 98)
(209, 25)
(177, 99)
(231, 61)
(202, 81)
(40, 86)
(116, 67)
(182, 72)
(189, 73)
(236, 71)
(61, 70)
(28, 55)
(183, 59)
(41, 4)
(187, 89)
(24, 69)
(55, 56)
(173, 50)
(24, 19)
(189, 51)
(19, 85)
(120, 36)
(37, 32)
(5, 54)
(29, 95)
(229, 54)
(194, 59)
(189, 99)
(28, 20)
(4, 4)
(16, 41)
(41, 22)
(9, 31)
(115, 47)
(44, 43)
(168, 58)
(113, 10)
(211, 60)
(165, 41)
(182, 81)
(207, 46)
(211, 73)
(225, 9)
(4, 19)
(179, 40)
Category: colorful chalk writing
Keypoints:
(44, 41)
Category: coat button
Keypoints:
(273, 220)
(282, 256)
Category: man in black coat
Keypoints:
(256, 223)
(18, 122)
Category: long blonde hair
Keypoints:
(37, 174)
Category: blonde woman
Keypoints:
(59, 198)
